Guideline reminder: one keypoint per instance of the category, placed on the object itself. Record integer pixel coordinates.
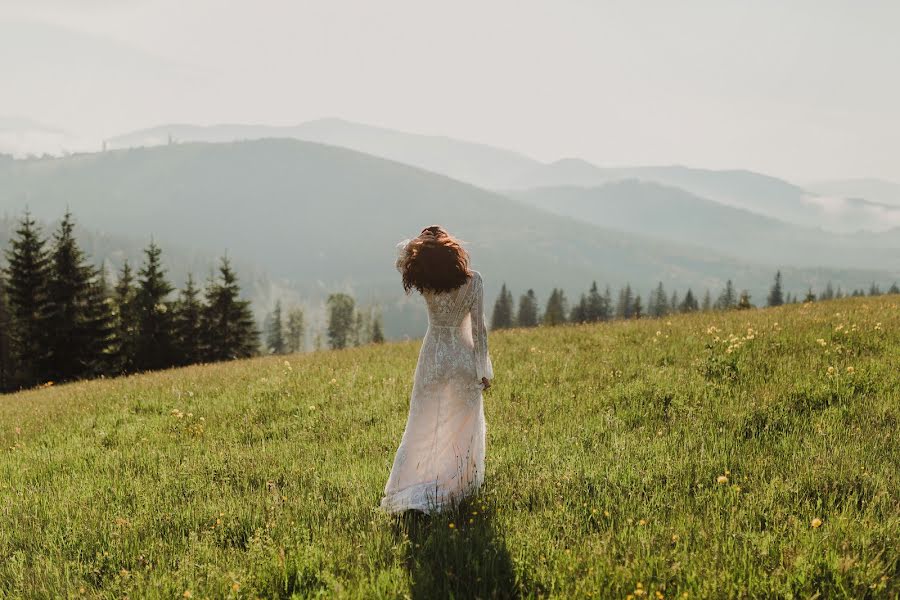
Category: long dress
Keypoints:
(441, 455)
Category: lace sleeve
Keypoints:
(483, 366)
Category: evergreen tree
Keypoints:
(228, 324)
(79, 321)
(894, 289)
(607, 305)
(99, 327)
(275, 343)
(689, 304)
(26, 287)
(775, 295)
(341, 320)
(6, 362)
(744, 301)
(727, 299)
(828, 294)
(874, 290)
(579, 311)
(625, 306)
(127, 322)
(597, 308)
(502, 317)
(839, 293)
(810, 296)
(188, 324)
(637, 309)
(528, 310)
(658, 304)
(555, 313)
(295, 330)
(707, 302)
(377, 333)
(156, 335)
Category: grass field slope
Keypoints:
(740, 454)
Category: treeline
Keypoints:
(594, 305)
(346, 326)
(60, 319)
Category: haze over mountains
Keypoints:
(323, 218)
(499, 169)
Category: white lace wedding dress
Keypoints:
(441, 455)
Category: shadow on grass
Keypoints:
(467, 560)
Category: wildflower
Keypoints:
(452, 525)
(187, 594)
(235, 586)
(722, 479)
(605, 513)
(674, 537)
(642, 522)
(877, 326)
(816, 523)
(821, 342)
(333, 381)
(850, 370)
(830, 371)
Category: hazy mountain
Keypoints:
(873, 190)
(750, 191)
(20, 136)
(478, 164)
(673, 214)
(328, 218)
(499, 169)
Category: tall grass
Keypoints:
(741, 454)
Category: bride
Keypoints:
(441, 455)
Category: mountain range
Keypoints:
(498, 169)
(322, 218)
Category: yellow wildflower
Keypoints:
(722, 479)
(816, 523)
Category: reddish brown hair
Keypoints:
(435, 261)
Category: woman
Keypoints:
(441, 455)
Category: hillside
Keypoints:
(670, 213)
(741, 454)
(324, 218)
(478, 164)
(499, 169)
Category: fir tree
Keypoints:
(674, 302)
(894, 289)
(528, 310)
(377, 333)
(295, 330)
(727, 299)
(6, 362)
(637, 309)
(744, 301)
(341, 320)
(775, 295)
(707, 302)
(502, 317)
(579, 311)
(597, 308)
(607, 305)
(78, 318)
(828, 294)
(156, 336)
(275, 343)
(689, 304)
(625, 306)
(127, 320)
(26, 287)
(228, 324)
(874, 290)
(658, 304)
(555, 313)
(810, 296)
(188, 324)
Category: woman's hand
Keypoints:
(486, 382)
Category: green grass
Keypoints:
(261, 478)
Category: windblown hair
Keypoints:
(434, 261)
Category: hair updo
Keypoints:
(434, 261)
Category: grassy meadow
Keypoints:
(740, 454)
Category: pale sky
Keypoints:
(802, 89)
